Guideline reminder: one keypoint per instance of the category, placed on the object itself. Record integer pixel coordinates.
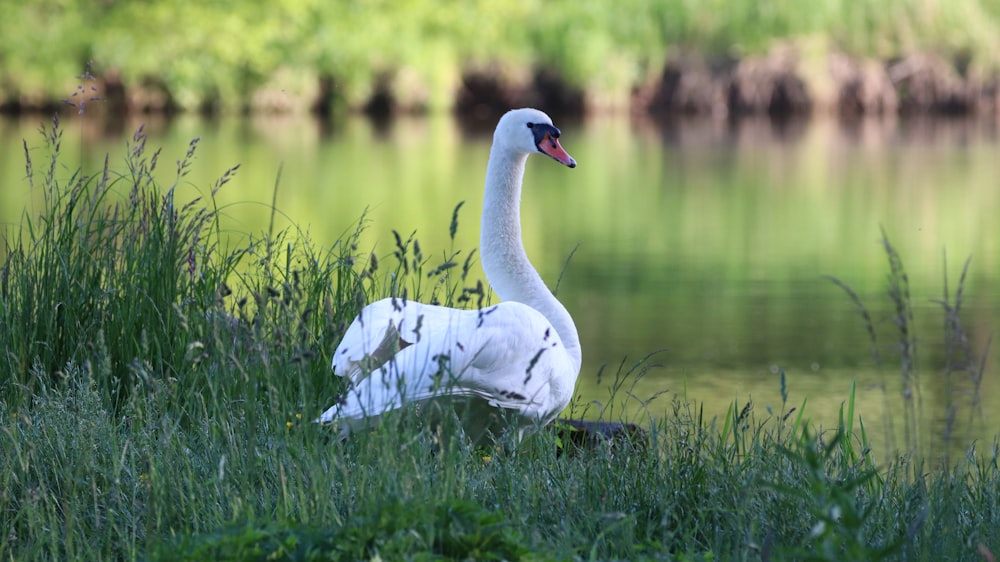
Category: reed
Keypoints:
(962, 371)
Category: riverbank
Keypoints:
(747, 56)
(784, 82)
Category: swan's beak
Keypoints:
(550, 147)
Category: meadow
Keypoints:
(159, 384)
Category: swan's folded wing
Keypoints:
(506, 355)
(406, 356)
(380, 331)
(520, 366)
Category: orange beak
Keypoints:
(550, 146)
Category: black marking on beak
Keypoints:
(541, 131)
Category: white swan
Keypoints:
(519, 358)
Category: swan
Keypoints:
(514, 364)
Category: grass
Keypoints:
(962, 373)
(158, 385)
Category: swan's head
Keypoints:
(530, 131)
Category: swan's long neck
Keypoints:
(505, 262)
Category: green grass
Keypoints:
(158, 387)
(962, 373)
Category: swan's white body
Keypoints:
(521, 356)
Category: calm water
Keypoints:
(704, 240)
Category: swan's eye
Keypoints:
(531, 125)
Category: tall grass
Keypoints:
(963, 368)
(157, 386)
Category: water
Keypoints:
(704, 240)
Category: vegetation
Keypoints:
(235, 55)
(158, 388)
(962, 371)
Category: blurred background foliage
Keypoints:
(281, 54)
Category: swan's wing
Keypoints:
(380, 330)
(508, 355)
(519, 363)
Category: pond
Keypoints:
(706, 241)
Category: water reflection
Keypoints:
(706, 238)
